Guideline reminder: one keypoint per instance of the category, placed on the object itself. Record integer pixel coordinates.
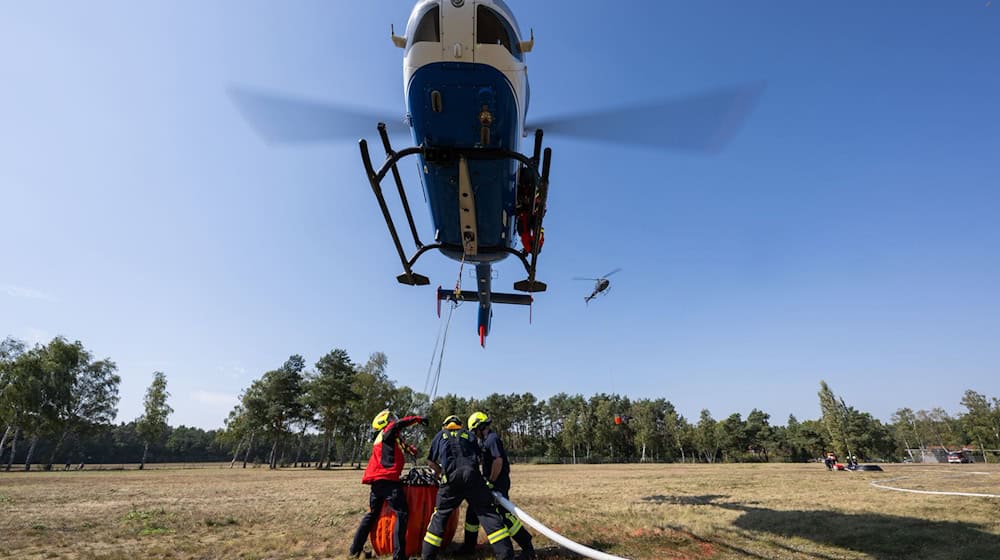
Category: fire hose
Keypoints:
(552, 535)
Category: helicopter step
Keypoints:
(413, 279)
(530, 286)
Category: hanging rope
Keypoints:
(434, 377)
(430, 366)
(431, 383)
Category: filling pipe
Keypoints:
(552, 535)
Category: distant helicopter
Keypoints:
(465, 85)
(601, 285)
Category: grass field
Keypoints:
(636, 511)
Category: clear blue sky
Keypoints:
(850, 232)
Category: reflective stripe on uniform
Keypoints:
(515, 524)
(433, 539)
(498, 535)
(471, 528)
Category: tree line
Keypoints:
(58, 403)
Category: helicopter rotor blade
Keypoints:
(703, 122)
(591, 279)
(281, 119)
(612, 272)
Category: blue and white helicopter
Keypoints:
(466, 89)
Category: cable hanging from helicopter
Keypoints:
(432, 379)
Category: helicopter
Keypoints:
(466, 94)
(601, 284)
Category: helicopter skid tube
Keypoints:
(552, 535)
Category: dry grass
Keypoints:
(641, 512)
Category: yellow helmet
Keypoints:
(452, 422)
(478, 419)
(382, 419)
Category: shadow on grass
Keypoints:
(881, 536)
(708, 499)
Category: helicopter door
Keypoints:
(457, 26)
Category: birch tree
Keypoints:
(153, 423)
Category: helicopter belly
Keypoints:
(467, 105)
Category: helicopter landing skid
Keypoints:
(540, 160)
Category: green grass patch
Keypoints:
(147, 521)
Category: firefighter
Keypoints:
(382, 473)
(496, 471)
(454, 454)
(450, 423)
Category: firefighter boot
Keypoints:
(469, 544)
(523, 539)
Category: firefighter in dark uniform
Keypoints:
(496, 471)
(382, 473)
(455, 455)
(450, 423)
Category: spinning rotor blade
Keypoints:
(696, 123)
(591, 279)
(612, 272)
(282, 119)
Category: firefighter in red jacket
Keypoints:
(383, 471)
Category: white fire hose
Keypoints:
(552, 535)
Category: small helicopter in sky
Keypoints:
(601, 284)
(466, 92)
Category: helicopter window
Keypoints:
(493, 29)
(429, 29)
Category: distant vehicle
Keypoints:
(957, 457)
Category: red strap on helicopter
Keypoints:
(482, 336)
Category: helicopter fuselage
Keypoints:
(466, 86)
